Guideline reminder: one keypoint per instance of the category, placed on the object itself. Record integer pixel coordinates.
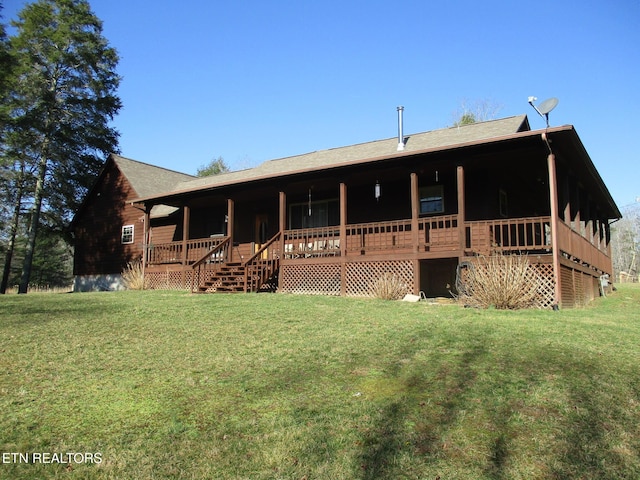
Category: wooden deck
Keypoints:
(433, 237)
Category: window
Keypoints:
(127, 234)
(431, 199)
(323, 214)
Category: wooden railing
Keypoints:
(207, 264)
(260, 267)
(434, 234)
(379, 236)
(439, 233)
(173, 252)
(581, 249)
(312, 242)
(508, 235)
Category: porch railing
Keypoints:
(580, 248)
(174, 252)
(508, 235)
(379, 236)
(435, 234)
(312, 242)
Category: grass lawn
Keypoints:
(159, 385)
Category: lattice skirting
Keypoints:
(546, 284)
(540, 275)
(169, 280)
(311, 279)
(360, 276)
(325, 279)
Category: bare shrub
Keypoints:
(504, 282)
(389, 287)
(133, 276)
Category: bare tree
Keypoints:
(475, 111)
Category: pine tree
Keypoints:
(63, 100)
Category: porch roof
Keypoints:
(353, 154)
(509, 129)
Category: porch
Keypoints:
(292, 257)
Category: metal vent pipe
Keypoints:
(400, 131)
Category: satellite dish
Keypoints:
(548, 105)
(545, 107)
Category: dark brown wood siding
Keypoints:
(98, 227)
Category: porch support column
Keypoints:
(230, 226)
(462, 238)
(343, 238)
(415, 231)
(186, 214)
(415, 213)
(553, 203)
(282, 219)
(146, 227)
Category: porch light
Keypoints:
(377, 191)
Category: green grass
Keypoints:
(171, 385)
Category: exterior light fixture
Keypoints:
(377, 191)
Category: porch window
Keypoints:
(127, 234)
(431, 199)
(324, 213)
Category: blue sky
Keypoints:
(256, 80)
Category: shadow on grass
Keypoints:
(595, 446)
(388, 438)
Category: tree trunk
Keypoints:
(13, 231)
(13, 228)
(33, 225)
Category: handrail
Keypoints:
(268, 267)
(263, 248)
(221, 247)
(215, 249)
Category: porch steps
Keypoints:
(229, 279)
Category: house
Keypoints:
(332, 222)
(108, 230)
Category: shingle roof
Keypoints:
(354, 153)
(148, 179)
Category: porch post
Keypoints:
(230, 226)
(282, 218)
(553, 203)
(185, 237)
(415, 212)
(462, 238)
(185, 233)
(145, 241)
(415, 231)
(343, 238)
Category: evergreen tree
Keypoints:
(63, 99)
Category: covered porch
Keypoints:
(327, 233)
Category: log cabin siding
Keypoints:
(98, 246)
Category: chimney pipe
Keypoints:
(400, 132)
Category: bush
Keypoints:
(389, 287)
(501, 281)
(133, 276)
